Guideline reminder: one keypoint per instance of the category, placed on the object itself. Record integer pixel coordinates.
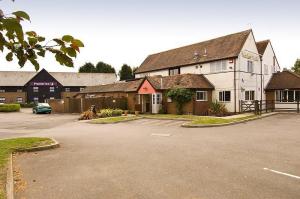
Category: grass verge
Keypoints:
(215, 120)
(112, 120)
(9, 146)
(200, 120)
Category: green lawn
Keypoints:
(215, 120)
(10, 145)
(200, 120)
(111, 120)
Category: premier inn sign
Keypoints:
(43, 83)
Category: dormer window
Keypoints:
(175, 71)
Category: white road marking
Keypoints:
(161, 135)
(281, 173)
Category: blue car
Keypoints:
(42, 108)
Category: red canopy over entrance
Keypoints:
(146, 88)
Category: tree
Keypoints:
(29, 46)
(102, 67)
(296, 67)
(126, 73)
(181, 96)
(87, 68)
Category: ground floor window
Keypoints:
(137, 99)
(35, 89)
(36, 99)
(249, 95)
(224, 96)
(19, 99)
(288, 95)
(52, 89)
(67, 89)
(2, 99)
(201, 95)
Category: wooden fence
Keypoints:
(260, 106)
(79, 105)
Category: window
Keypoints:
(19, 90)
(2, 91)
(218, 66)
(287, 96)
(201, 96)
(175, 71)
(36, 99)
(266, 69)
(169, 100)
(52, 98)
(20, 100)
(35, 89)
(81, 89)
(224, 96)
(158, 98)
(2, 99)
(153, 98)
(52, 89)
(249, 95)
(250, 66)
(67, 89)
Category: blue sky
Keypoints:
(127, 31)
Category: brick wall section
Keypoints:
(11, 97)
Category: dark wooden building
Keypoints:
(25, 87)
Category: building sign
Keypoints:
(43, 83)
(251, 56)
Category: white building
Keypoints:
(237, 66)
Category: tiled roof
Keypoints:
(261, 46)
(284, 80)
(20, 78)
(191, 81)
(220, 48)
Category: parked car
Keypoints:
(42, 108)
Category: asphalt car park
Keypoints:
(159, 159)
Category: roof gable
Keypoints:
(215, 49)
(42, 76)
(262, 46)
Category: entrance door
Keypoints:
(148, 103)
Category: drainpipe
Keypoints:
(261, 80)
(234, 83)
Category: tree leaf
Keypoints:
(9, 57)
(41, 39)
(78, 43)
(13, 26)
(67, 38)
(35, 63)
(22, 15)
(41, 53)
(22, 61)
(71, 52)
(32, 41)
(31, 34)
(59, 42)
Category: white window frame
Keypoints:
(204, 96)
(266, 69)
(2, 91)
(35, 89)
(158, 98)
(222, 97)
(283, 96)
(67, 89)
(169, 100)
(52, 98)
(52, 89)
(249, 95)
(174, 71)
(81, 89)
(2, 99)
(36, 99)
(19, 91)
(19, 99)
(250, 66)
(218, 66)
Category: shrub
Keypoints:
(162, 111)
(27, 105)
(181, 96)
(117, 112)
(217, 109)
(106, 113)
(10, 107)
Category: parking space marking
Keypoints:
(282, 173)
(160, 135)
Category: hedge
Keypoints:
(10, 107)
